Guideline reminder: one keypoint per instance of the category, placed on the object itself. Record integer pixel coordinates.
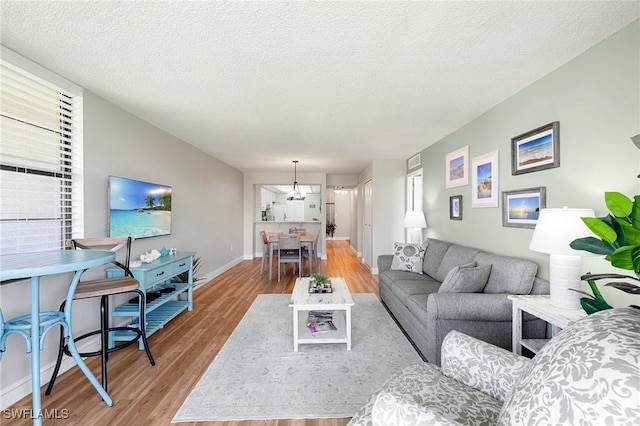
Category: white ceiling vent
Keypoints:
(414, 162)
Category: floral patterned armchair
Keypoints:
(589, 374)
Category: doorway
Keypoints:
(367, 228)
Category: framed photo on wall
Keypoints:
(536, 150)
(455, 207)
(484, 186)
(521, 208)
(457, 164)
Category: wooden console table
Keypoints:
(539, 306)
(156, 276)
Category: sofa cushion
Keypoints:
(588, 374)
(436, 250)
(408, 257)
(417, 305)
(406, 288)
(390, 276)
(509, 275)
(456, 255)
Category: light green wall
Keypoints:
(596, 99)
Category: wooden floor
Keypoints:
(145, 395)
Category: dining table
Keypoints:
(306, 240)
(34, 266)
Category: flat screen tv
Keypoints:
(139, 209)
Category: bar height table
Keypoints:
(34, 266)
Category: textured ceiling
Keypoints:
(332, 84)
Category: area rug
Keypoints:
(257, 375)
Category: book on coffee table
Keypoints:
(320, 321)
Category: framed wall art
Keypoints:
(455, 207)
(484, 187)
(457, 163)
(536, 150)
(521, 208)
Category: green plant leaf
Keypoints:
(595, 277)
(635, 259)
(626, 287)
(592, 245)
(613, 223)
(618, 204)
(622, 258)
(592, 306)
(635, 212)
(601, 229)
(631, 235)
(583, 292)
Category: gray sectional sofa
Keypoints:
(427, 314)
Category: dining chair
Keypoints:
(266, 252)
(289, 251)
(103, 288)
(311, 254)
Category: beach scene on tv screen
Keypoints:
(139, 209)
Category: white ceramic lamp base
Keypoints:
(564, 274)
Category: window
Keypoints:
(41, 191)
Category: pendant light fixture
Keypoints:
(295, 193)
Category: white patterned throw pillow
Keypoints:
(408, 257)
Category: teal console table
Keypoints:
(156, 277)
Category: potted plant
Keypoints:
(319, 278)
(320, 284)
(331, 229)
(618, 239)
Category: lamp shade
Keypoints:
(557, 228)
(415, 219)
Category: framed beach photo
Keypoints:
(457, 163)
(536, 150)
(521, 208)
(484, 187)
(455, 207)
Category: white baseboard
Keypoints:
(211, 275)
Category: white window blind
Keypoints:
(41, 190)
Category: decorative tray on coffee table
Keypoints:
(324, 287)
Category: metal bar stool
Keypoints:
(104, 288)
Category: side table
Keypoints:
(539, 306)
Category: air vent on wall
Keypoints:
(414, 162)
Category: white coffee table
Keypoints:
(340, 302)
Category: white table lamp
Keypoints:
(414, 219)
(555, 230)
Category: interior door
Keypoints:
(367, 231)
